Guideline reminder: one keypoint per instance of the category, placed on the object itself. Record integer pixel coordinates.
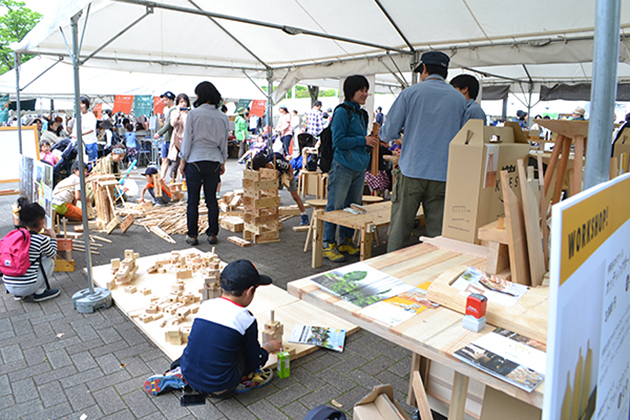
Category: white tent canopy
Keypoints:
(58, 82)
(292, 40)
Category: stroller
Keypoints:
(63, 168)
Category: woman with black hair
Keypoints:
(203, 155)
(42, 252)
(350, 160)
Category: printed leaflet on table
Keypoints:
(398, 309)
(325, 337)
(508, 356)
(496, 289)
(361, 284)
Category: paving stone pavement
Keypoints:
(58, 364)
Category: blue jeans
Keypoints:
(345, 187)
(204, 173)
(286, 143)
(92, 151)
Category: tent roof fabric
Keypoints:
(293, 40)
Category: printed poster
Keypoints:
(588, 362)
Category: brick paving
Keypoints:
(58, 364)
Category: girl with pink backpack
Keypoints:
(27, 255)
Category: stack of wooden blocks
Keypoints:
(260, 204)
(104, 187)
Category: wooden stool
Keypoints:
(317, 205)
(310, 183)
(371, 199)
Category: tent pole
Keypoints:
(414, 63)
(269, 120)
(84, 301)
(504, 108)
(16, 61)
(603, 92)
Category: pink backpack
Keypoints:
(14, 252)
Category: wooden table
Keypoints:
(378, 215)
(432, 336)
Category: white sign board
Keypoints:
(588, 345)
(10, 146)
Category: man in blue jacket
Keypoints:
(350, 160)
(431, 113)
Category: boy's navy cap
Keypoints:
(437, 58)
(150, 171)
(168, 94)
(241, 275)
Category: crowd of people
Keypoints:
(223, 354)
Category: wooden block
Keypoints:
(261, 203)
(252, 175)
(265, 217)
(126, 223)
(152, 309)
(300, 228)
(261, 229)
(183, 274)
(145, 291)
(194, 308)
(146, 318)
(183, 312)
(111, 226)
(532, 228)
(63, 265)
(157, 187)
(64, 244)
(517, 241)
(239, 241)
(177, 287)
(131, 289)
(233, 224)
(290, 211)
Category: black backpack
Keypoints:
(324, 412)
(326, 150)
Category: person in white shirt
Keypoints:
(88, 130)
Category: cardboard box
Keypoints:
(379, 404)
(473, 185)
(621, 151)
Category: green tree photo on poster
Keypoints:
(16, 21)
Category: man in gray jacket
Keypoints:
(168, 98)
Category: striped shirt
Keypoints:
(41, 246)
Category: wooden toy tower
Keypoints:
(261, 203)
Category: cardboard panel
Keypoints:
(473, 189)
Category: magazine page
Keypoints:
(361, 284)
(400, 308)
(325, 337)
(509, 356)
(496, 289)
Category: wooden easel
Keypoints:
(567, 133)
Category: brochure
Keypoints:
(325, 337)
(508, 356)
(398, 309)
(361, 284)
(496, 289)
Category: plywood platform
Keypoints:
(288, 309)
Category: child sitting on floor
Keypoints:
(166, 190)
(67, 194)
(223, 355)
(283, 167)
(42, 251)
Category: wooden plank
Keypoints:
(300, 228)
(318, 239)
(421, 396)
(457, 246)
(458, 399)
(567, 128)
(239, 241)
(126, 223)
(562, 170)
(532, 228)
(551, 167)
(493, 233)
(578, 163)
(517, 246)
(498, 258)
(527, 317)
(112, 225)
